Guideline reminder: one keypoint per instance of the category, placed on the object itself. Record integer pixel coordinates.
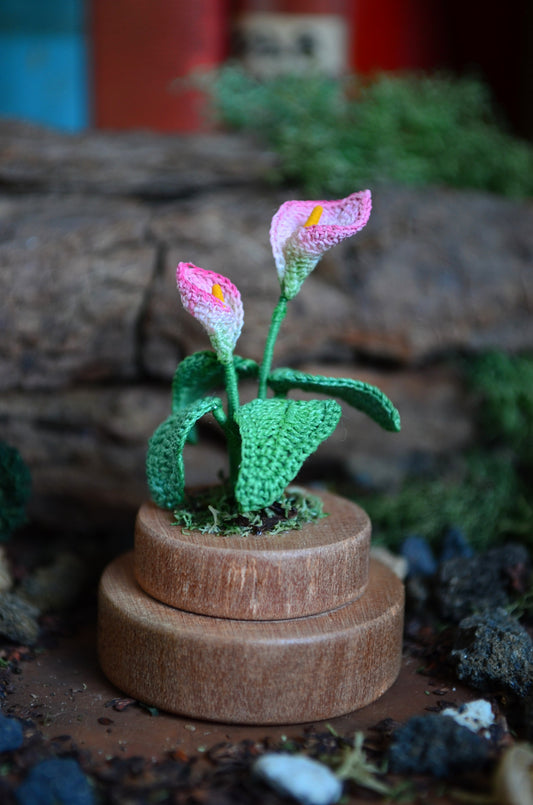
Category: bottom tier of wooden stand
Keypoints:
(250, 672)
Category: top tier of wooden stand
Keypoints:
(316, 569)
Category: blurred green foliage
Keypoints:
(487, 492)
(481, 494)
(15, 489)
(504, 385)
(332, 136)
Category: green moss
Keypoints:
(332, 136)
(213, 511)
(486, 492)
(504, 384)
(15, 489)
(480, 494)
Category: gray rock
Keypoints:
(492, 651)
(130, 163)
(436, 745)
(300, 777)
(74, 273)
(473, 584)
(18, 619)
(424, 276)
(440, 269)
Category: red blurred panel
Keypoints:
(141, 49)
(397, 35)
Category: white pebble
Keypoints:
(398, 564)
(476, 715)
(304, 779)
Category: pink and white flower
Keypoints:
(302, 231)
(215, 302)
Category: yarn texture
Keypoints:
(215, 302)
(164, 463)
(363, 396)
(277, 436)
(298, 245)
(269, 438)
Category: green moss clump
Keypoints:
(332, 136)
(213, 511)
(486, 492)
(480, 495)
(15, 490)
(504, 384)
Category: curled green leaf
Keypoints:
(164, 461)
(362, 396)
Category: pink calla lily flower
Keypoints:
(302, 231)
(216, 303)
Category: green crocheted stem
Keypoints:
(277, 318)
(232, 389)
(232, 431)
(199, 374)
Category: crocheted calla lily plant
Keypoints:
(270, 437)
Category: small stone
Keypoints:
(493, 651)
(455, 545)
(11, 734)
(57, 585)
(398, 564)
(306, 780)
(476, 716)
(419, 556)
(436, 745)
(57, 781)
(18, 619)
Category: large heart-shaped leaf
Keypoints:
(199, 374)
(277, 436)
(164, 461)
(360, 395)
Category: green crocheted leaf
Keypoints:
(199, 374)
(366, 398)
(164, 462)
(277, 436)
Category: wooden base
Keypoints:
(250, 672)
(320, 567)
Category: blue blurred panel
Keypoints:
(44, 63)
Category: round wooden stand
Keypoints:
(250, 660)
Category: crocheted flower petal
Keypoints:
(215, 302)
(302, 231)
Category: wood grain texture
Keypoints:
(250, 672)
(321, 567)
